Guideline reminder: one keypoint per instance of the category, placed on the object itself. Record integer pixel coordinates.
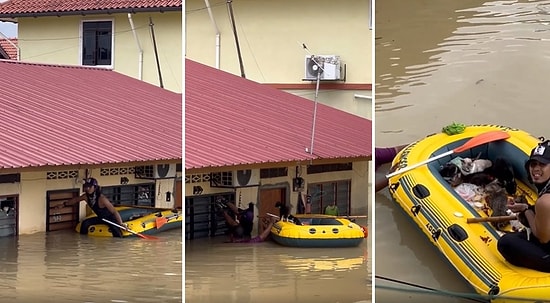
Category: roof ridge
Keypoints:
(3, 61)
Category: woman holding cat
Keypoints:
(531, 249)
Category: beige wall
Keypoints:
(56, 40)
(271, 34)
(359, 176)
(350, 101)
(34, 185)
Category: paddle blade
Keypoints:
(147, 237)
(481, 139)
(160, 222)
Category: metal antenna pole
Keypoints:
(236, 38)
(319, 70)
(314, 113)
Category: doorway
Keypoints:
(268, 198)
(8, 215)
(61, 218)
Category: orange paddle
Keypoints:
(480, 139)
(160, 221)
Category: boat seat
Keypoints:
(325, 221)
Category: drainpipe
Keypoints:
(362, 96)
(12, 44)
(217, 33)
(140, 63)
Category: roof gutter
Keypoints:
(140, 50)
(217, 33)
(92, 12)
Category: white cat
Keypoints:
(469, 166)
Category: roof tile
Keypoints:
(8, 45)
(15, 7)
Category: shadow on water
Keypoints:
(65, 266)
(268, 272)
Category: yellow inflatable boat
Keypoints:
(459, 229)
(141, 220)
(318, 231)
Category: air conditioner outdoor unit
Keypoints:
(247, 177)
(329, 67)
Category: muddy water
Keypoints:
(65, 266)
(441, 62)
(267, 272)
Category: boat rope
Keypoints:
(428, 290)
(433, 291)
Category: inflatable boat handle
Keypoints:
(480, 139)
(491, 219)
(131, 231)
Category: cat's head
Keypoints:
(467, 164)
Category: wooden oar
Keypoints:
(491, 219)
(131, 231)
(473, 142)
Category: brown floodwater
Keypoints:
(438, 62)
(64, 266)
(267, 272)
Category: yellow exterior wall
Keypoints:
(271, 34)
(57, 40)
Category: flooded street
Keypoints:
(471, 62)
(65, 266)
(267, 272)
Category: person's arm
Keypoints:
(74, 200)
(106, 203)
(540, 219)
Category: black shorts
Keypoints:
(516, 249)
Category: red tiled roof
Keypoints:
(9, 48)
(15, 8)
(230, 121)
(65, 115)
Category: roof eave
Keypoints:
(11, 16)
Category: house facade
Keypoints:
(141, 39)
(64, 123)
(249, 142)
(273, 42)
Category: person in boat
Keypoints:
(100, 205)
(531, 249)
(239, 221)
(383, 155)
(332, 209)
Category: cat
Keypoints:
(503, 172)
(497, 198)
(470, 166)
(284, 213)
